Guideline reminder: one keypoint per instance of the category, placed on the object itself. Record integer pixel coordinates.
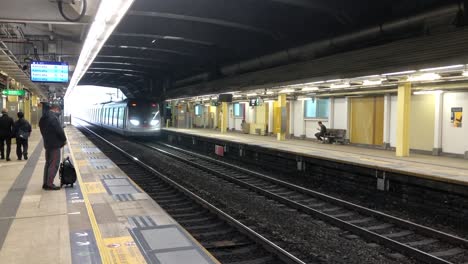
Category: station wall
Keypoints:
(423, 120)
(454, 139)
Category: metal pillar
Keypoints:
(280, 113)
(403, 119)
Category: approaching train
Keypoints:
(130, 117)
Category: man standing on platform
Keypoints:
(6, 132)
(54, 139)
(22, 132)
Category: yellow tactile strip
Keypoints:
(425, 167)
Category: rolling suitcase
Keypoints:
(67, 173)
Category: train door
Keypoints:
(367, 120)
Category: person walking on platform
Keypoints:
(54, 139)
(323, 130)
(22, 132)
(6, 132)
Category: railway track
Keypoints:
(223, 236)
(413, 240)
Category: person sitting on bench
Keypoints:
(323, 129)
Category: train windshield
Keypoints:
(143, 112)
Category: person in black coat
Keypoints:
(6, 132)
(22, 132)
(323, 130)
(54, 139)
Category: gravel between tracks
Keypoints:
(311, 240)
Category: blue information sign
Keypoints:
(49, 71)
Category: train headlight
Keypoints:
(154, 122)
(134, 122)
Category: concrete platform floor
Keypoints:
(89, 223)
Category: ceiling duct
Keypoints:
(313, 50)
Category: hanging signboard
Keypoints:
(14, 92)
(456, 116)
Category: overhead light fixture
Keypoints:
(252, 94)
(172, 38)
(429, 92)
(237, 96)
(270, 92)
(465, 73)
(287, 91)
(424, 77)
(398, 73)
(334, 80)
(372, 82)
(304, 98)
(154, 41)
(340, 85)
(443, 68)
(308, 89)
(108, 16)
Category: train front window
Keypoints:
(144, 114)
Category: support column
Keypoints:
(387, 114)
(403, 120)
(280, 112)
(331, 112)
(224, 117)
(27, 108)
(437, 148)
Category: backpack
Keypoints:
(23, 134)
(67, 173)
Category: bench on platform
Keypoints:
(335, 135)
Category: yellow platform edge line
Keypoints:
(92, 218)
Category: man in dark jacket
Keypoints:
(6, 132)
(54, 139)
(323, 130)
(22, 132)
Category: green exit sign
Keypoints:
(14, 92)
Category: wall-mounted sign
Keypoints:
(14, 92)
(456, 116)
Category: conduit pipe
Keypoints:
(315, 49)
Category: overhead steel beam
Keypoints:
(117, 69)
(172, 38)
(316, 6)
(128, 64)
(113, 73)
(212, 21)
(133, 58)
(35, 21)
(150, 49)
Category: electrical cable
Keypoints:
(80, 16)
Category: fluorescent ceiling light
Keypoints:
(270, 92)
(429, 92)
(443, 68)
(340, 85)
(398, 73)
(172, 38)
(108, 16)
(304, 98)
(252, 94)
(287, 91)
(465, 73)
(372, 82)
(319, 82)
(307, 89)
(334, 80)
(424, 77)
(237, 96)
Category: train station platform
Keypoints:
(434, 168)
(104, 218)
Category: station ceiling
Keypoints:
(160, 43)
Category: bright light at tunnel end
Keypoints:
(108, 16)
